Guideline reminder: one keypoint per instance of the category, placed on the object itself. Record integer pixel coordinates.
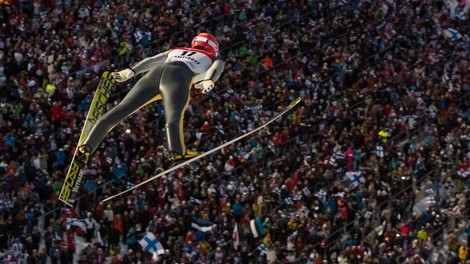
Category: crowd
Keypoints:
(372, 167)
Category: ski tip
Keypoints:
(65, 202)
(295, 102)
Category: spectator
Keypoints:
(361, 67)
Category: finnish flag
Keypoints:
(221, 242)
(80, 223)
(263, 249)
(321, 195)
(430, 200)
(151, 244)
(379, 151)
(306, 191)
(355, 177)
(452, 34)
(289, 201)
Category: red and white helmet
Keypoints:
(206, 42)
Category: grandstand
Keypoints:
(371, 168)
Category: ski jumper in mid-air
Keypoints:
(168, 76)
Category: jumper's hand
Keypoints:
(124, 75)
(205, 86)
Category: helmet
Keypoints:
(206, 42)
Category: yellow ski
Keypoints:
(74, 176)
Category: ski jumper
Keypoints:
(169, 77)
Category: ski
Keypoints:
(74, 176)
(287, 109)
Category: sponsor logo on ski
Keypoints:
(70, 182)
(99, 108)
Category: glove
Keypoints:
(205, 86)
(124, 75)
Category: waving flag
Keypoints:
(81, 223)
(256, 226)
(151, 244)
(289, 201)
(194, 200)
(355, 177)
(322, 195)
(204, 229)
(452, 34)
(235, 237)
(201, 225)
(263, 249)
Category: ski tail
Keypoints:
(74, 176)
(200, 156)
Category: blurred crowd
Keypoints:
(371, 167)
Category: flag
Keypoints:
(379, 151)
(283, 214)
(321, 195)
(306, 191)
(256, 226)
(202, 225)
(195, 200)
(297, 196)
(151, 244)
(263, 249)
(355, 177)
(253, 229)
(452, 34)
(288, 201)
(81, 223)
(235, 237)
(204, 229)
(430, 200)
(221, 242)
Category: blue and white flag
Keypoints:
(306, 191)
(288, 201)
(151, 244)
(263, 249)
(283, 214)
(379, 151)
(221, 242)
(297, 196)
(430, 200)
(355, 177)
(452, 34)
(195, 200)
(81, 223)
(322, 195)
